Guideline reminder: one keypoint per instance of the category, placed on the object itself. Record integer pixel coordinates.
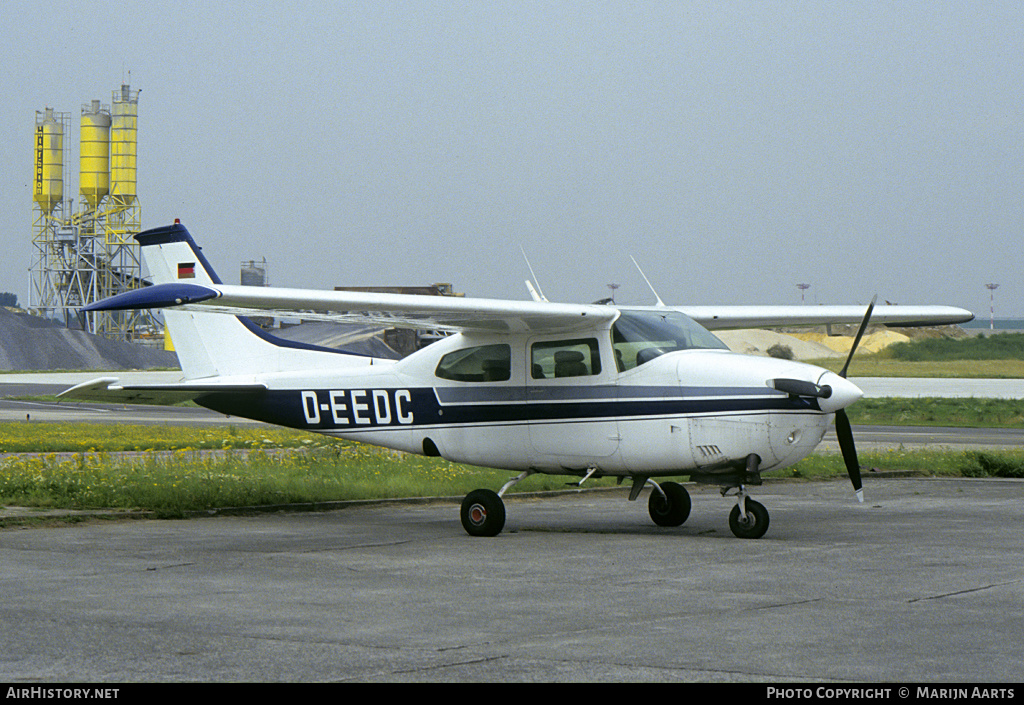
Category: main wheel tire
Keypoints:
(483, 513)
(671, 510)
(755, 523)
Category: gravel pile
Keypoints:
(757, 342)
(34, 343)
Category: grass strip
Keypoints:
(189, 480)
(172, 485)
(939, 411)
(75, 437)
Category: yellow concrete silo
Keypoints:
(94, 154)
(48, 190)
(49, 212)
(120, 215)
(124, 126)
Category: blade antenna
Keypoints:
(658, 298)
(537, 293)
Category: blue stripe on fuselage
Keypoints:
(356, 409)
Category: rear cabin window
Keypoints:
(565, 358)
(484, 363)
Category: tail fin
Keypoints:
(218, 344)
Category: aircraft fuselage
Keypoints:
(697, 411)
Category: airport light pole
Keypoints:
(802, 288)
(991, 305)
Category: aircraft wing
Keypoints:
(106, 390)
(458, 314)
(446, 313)
(724, 317)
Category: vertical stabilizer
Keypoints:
(218, 344)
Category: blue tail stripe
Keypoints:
(177, 233)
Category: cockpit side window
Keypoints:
(483, 363)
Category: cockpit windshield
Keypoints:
(641, 336)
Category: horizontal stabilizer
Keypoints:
(106, 390)
(158, 296)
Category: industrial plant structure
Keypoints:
(88, 253)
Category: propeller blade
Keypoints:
(860, 334)
(843, 431)
(846, 445)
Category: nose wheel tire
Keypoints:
(483, 513)
(673, 508)
(753, 525)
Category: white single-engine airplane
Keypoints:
(532, 386)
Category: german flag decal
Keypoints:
(186, 270)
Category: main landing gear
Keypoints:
(483, 511)
(669, 505)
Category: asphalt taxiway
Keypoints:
(921, 583)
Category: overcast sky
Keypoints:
(735, 149)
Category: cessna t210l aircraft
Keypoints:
(594, 390)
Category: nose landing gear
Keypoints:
(748, 519)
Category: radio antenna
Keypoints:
(658, 298)
(536, 293)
